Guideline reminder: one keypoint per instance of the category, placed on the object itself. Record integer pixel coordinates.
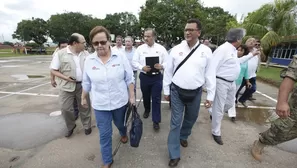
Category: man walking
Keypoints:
(129, 52)
(63, 44)
(226, 66)
(185, 73)
(67, 65)
(284, 128)
(150, 75)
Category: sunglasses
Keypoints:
(257, 44)
(96, 43)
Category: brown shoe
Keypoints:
(184, 143)
(257, 150)
(124, 139)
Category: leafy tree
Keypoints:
(65, 24)
(168, 17)
(217, 23)
(35, 29)
(123, 24)
(7, 43)
(272, 21)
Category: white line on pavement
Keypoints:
(266, 96)
(20, 92)
(163, 102)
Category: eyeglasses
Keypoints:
(257, 44)
(96, 43)
(190, 30)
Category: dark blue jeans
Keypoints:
(151, 88)
(104, 124)
(178, 118)
(248, 91)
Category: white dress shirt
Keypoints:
(55, 64)
(144, 51)
(119, 49)
(253, 66)
(225, 62)
(193, 73)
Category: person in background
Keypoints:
(129, 52)
(67, 65)
(119, 44)
(191, 76)
(150, 82)
(242, 50)
(108, 76)
(63, 44)
(253, 67)
(284, 128)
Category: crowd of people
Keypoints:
(106, 80)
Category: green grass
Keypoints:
(8, 53)
(270, 75)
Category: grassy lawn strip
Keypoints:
(270, 75)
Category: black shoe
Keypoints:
(243, 103)
(184, 143)
(156, 126)
(146, 114)
(218, 139)
(210, 117)
(88, 131)
(173, 162)
(233, 119)
(69, 133)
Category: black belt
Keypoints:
(224, 79)
(77, 82)
(151, 74)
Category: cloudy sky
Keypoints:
(13, 11)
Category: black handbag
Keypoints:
(136, 128)
(185, 95)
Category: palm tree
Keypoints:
(272, 21)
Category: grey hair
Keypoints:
(151, 29)
(129, 37)
(235, 34)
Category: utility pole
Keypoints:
(126, 25)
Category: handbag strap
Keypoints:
(188, 56)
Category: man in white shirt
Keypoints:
(119, 44)
(150, 75)
(67, 65)
(183, 87)
(226, 65)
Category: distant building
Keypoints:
(283, 52)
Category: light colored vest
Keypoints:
(68, 68)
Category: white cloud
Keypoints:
(13, 11)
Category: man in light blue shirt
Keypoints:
(129, 52)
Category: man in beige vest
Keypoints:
(67, 65)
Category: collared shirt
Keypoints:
(55, 64)
(108, 83)
(253, 66)
(193, 73)
(225, 62)
(143, 51)
(119, 49)
(129, 55)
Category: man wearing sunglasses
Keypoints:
(67, 65)
(150, 75)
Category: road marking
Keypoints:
(266, 96)
(163, 102)
(20, 92)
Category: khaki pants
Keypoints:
(66, 102)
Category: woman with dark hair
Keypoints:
(108, 76)
(242, 50)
